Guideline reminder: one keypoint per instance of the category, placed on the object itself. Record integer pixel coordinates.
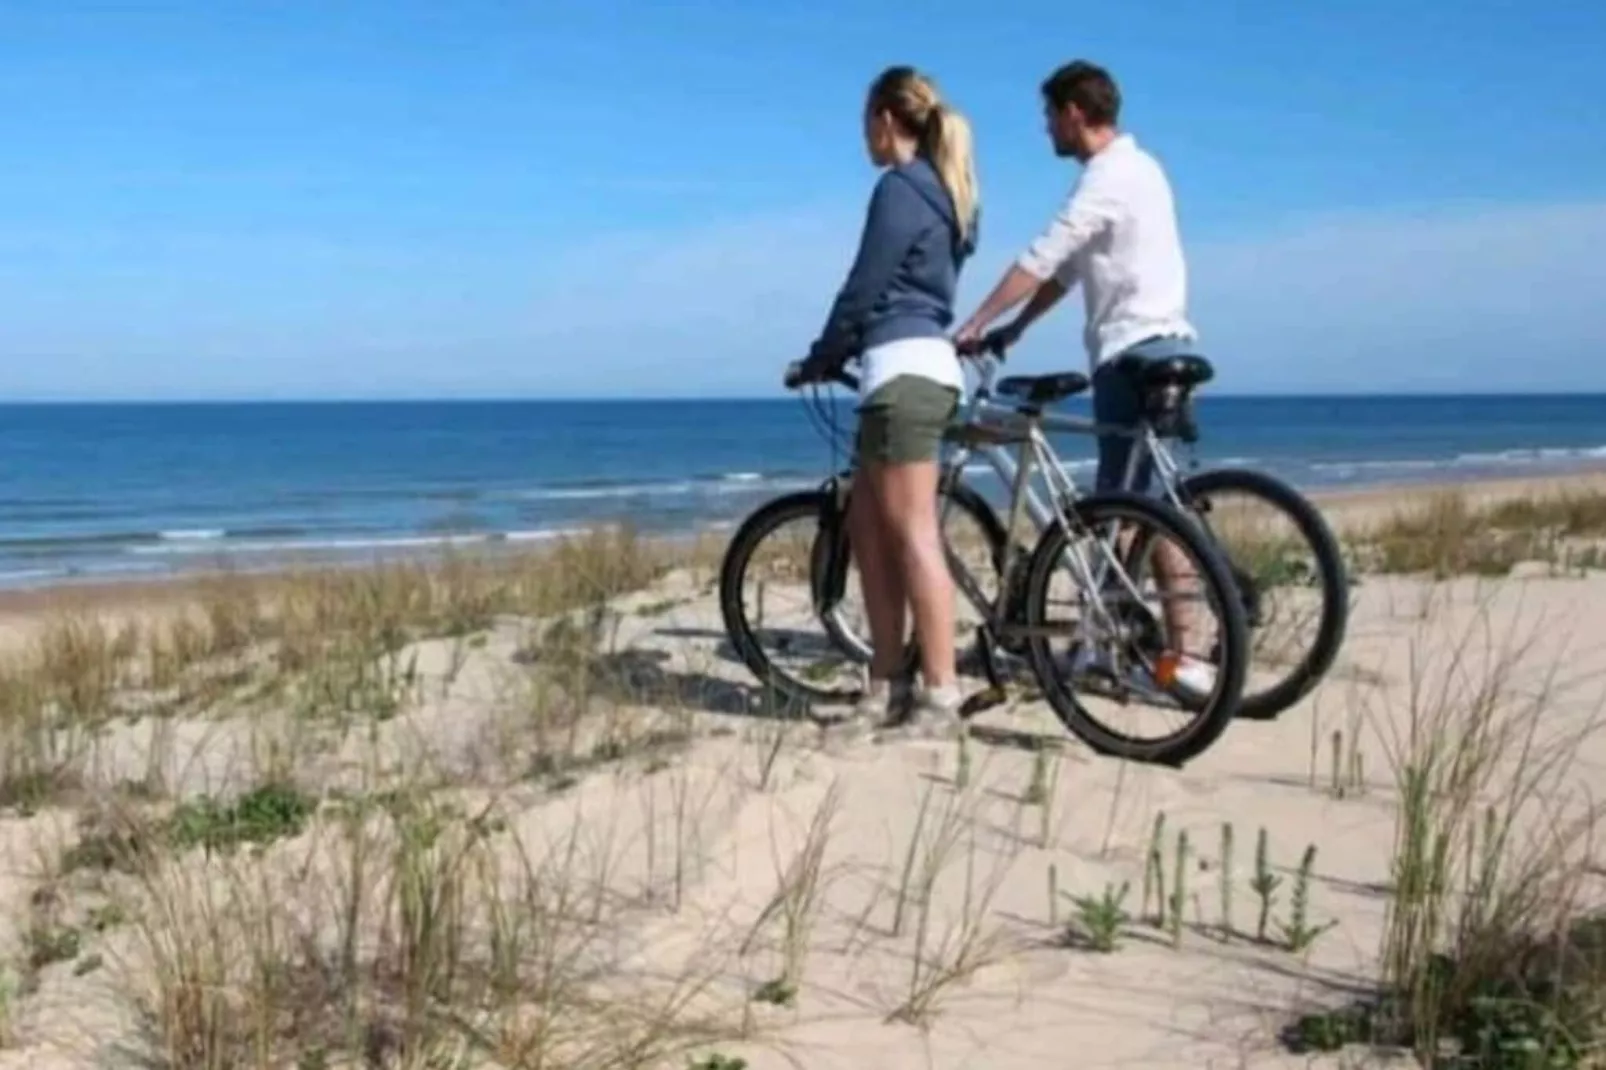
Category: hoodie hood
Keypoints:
(921, 175)
(907, 267)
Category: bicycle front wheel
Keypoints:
(768, 599)
(1128, 663)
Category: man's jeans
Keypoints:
(1118, 402)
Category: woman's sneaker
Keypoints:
(934, 714)
(882, 700)
(879, 702)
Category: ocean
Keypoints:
(102, 492)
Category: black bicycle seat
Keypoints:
(1184, 370)
(1042, 389)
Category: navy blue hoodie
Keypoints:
(903, 278)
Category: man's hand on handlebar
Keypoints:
(996, 341)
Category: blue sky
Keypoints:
(592, 197)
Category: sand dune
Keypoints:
(689, 853)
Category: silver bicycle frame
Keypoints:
(982, 409)
(991, 430)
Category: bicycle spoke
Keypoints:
(779, 607)
(1290, 574)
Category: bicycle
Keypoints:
(1116, 629)
(1169, 414)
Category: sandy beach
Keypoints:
(394, 822)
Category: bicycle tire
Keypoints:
(821, 503)
(1269, 703)
(1207, 725)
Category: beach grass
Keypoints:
(1448, 532)
(1491, 954)
(279, 915)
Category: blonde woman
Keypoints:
(893, 313)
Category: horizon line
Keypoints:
(591, 399)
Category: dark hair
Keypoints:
(1089, 87)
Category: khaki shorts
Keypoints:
(903, 420)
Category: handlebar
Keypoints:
(995, 344)
(797, 375)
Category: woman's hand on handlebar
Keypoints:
(818, 367)
(797, 374)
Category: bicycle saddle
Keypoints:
(1185, 370)
(1042, 389)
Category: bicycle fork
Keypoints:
(830, 553)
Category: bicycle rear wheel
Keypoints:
(1279, 573)
(1129, 661)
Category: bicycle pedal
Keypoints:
(1103, 685)
(983, 700)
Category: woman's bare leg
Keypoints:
(880, 577)
(908, 495)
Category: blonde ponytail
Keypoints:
(914, 102)
(951, 149)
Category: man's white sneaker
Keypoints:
(1196, 676)
(1191, 675)
(1097, 666)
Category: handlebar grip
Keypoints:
(803, 372)
(996, 342)
(993, 342)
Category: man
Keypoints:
(1117, 235)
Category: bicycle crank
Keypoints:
(996, 693)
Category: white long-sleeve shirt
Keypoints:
(1117, 235)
